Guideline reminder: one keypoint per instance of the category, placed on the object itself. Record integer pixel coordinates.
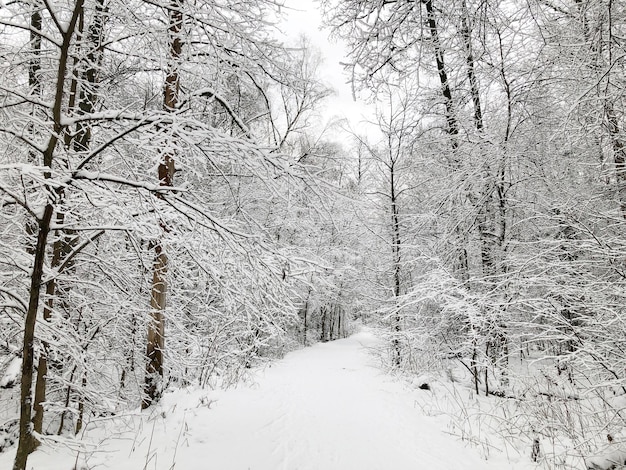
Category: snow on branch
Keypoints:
(209, 92)
(20, 302)
(99, 176)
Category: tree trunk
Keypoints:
(490, 225)
(452, 129)
(68, 396)
(619, 154)
(80, 140)
(305, 312)
(34, 83)
(452, 123)
(42, 366)
(156, 331)
(81, 406)
(27, 442)
(156, 327)
(474, 365)
(306, 326)
(397, 259)
(324, 315)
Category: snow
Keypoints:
(11, 374)
(607, 460)
(9, 378)
(322, 408)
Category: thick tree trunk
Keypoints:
(446, 92)
(27, 442)
(156, 328)
(471, 69)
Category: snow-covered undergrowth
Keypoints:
(541, 411)
(9, 403)
(330, 407)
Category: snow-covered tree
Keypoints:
(103, 102)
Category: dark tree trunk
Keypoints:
(80, 140)
(446, 92)
(27, 442)
(452, 128)
(397, 259)
(34, 83)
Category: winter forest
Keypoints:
(177, 213)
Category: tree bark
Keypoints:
(156, 328)
(42, 366)
(452, 128)
(397, 281)
(34, 83)
(80, 140)
(446, 92)
(619, 154)
(490, 233)
(27, 442)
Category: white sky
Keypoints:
(303, 17)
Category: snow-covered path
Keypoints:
(327, 407)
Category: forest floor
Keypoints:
(327, 407)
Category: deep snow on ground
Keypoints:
(327, 407)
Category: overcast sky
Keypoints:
(303, 17)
